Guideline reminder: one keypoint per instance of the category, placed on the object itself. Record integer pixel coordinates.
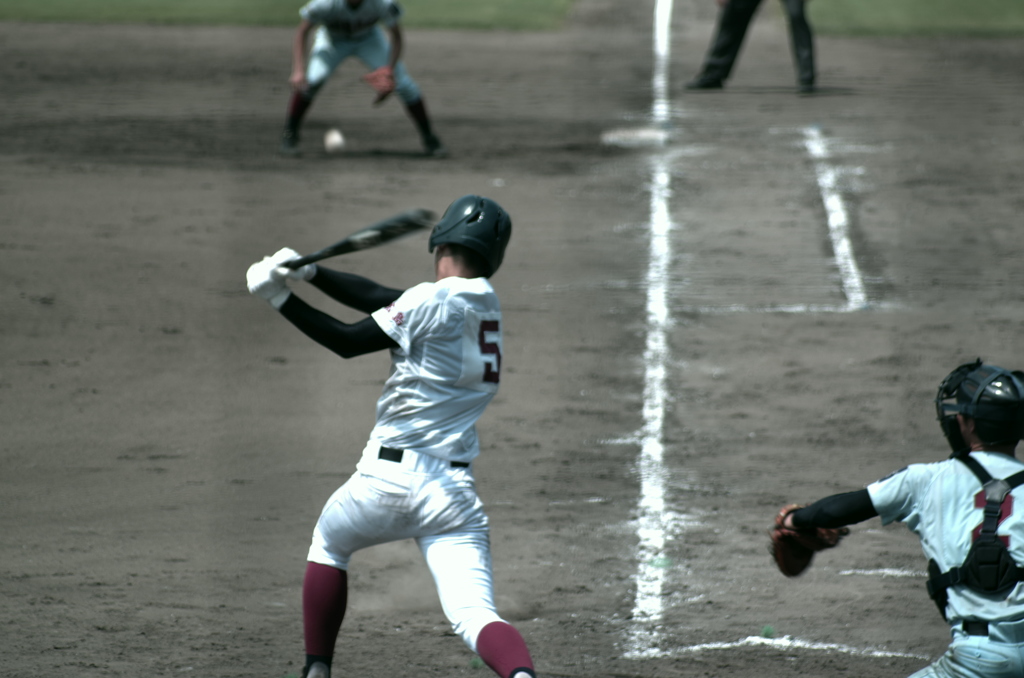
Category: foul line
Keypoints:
(653, 519)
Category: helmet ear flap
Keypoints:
(947, 407)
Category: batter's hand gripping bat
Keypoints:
(382, 232)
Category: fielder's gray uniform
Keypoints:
(346, 31)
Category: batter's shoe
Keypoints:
(433, 147)
(289, 143)
(317, 670)
(704, 82)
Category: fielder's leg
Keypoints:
(324, 57)
(374, 51)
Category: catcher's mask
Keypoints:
(478, 223)
(991, 395)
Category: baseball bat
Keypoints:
(385, 231)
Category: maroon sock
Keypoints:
(503, 649)
(297, 107)
(324, 596)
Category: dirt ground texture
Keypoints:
(168, 441)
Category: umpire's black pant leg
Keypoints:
(802, 40)
(733, 22)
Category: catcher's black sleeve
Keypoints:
(354, 291)
(346, 339)
(838, 510)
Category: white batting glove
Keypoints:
(263, 284)
(283, 256)
(301, 273)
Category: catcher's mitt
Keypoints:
(382, 80)
(793, 548)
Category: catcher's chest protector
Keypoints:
(988, 568)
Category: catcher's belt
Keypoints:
(989, 568)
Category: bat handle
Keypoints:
(300, 262)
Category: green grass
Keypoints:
(836, 17)
(463, 14)
(918, 17)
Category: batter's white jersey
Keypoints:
(351, 23)
(445, 369)
(943, 504)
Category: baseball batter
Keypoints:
(345, 28)
(966, 510)
(415, 477)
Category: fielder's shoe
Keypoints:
(433, 147)
(317, 670)
(289, 143)
(704, 82)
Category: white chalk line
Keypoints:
(884, 572)
(790, 643)
(653, 520)
(838, 221)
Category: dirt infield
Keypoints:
(168, 441)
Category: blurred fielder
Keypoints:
(347, 28)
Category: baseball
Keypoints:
(333, 141)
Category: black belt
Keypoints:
(391, 454)
(975, 628)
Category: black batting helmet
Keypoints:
(991, 395)
(477, 223)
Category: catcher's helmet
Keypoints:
(991, 395)
(478, 223)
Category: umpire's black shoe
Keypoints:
(704, 82)
(807, 88)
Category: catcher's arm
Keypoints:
(799, 532)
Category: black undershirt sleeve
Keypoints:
(354, 291)
(346, 339)
(837, 510)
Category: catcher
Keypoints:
(347, 28)
(966, 511)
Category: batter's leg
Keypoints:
(324, 598)
(461, 565)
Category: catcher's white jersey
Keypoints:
(445, 369)
(351, 23)
(943, 504)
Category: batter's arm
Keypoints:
(346, 339)
(298, 76)
(354, 291)
(837, 510)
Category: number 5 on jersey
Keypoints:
(481, 351)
